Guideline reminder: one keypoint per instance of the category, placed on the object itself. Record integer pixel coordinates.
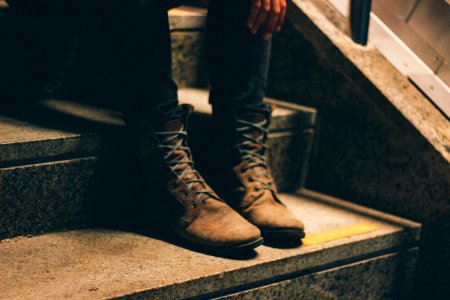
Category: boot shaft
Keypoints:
(241, 128)
(167, 167)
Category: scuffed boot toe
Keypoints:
(220, 229)
(274, 220)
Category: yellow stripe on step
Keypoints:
(338, 233)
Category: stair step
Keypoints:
(65, 161)
(187, 26)
(187, 18)
(104, 263)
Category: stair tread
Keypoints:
(199, 98)
(62, 127)
(187, 18)
(104, 263)
(54, 128)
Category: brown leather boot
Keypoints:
(186, 203)
(246, 182)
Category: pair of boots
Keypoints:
(190, 206)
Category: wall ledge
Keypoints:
(369, 70)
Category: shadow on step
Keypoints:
(283, 244)
(64, 116)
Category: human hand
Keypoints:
(270, 12)
(3, 4)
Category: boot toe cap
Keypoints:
(275, 217)
(222, 227)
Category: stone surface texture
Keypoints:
(185, 18)
(55, 130)
(385, 277)
(45, 196)
(380, 142)
(105, 263)
(188, 61)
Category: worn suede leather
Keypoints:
(201, 218)
(247, 185)
(262, 207)
(220, 226)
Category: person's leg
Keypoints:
(238, 64)
(237, 60)
(143, 52)
(157, 127)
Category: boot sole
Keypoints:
(244, 247)
(283, 234)
(232, 249)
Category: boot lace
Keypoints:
(252, 151)
(179, 158)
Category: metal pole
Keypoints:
(359, 20)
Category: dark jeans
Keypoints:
(237, 61)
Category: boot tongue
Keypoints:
(174, 126)
(255, 118)
(177, 124)
(260, 120)
(171, 125)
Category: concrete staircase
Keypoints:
(70, 202)
(374, 258)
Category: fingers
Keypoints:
(272, 19)
(269, 12)
(283, 8)
(262, 16)
(254, 11)
(3, 4)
